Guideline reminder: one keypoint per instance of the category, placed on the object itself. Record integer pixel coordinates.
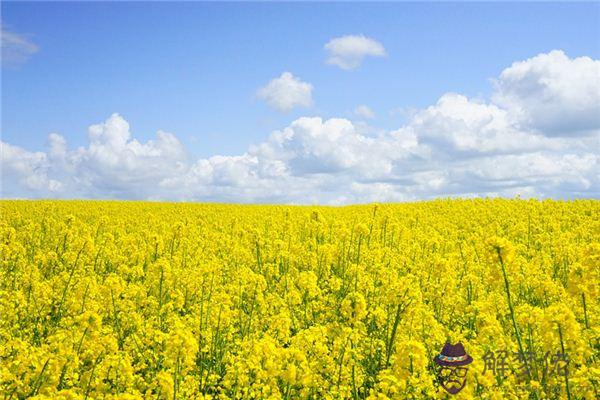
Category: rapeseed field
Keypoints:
(137, 300)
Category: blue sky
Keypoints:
(194, 69)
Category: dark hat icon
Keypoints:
(453, 355)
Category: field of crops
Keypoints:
(107, 300)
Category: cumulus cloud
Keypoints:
(312, 146)
(16, 48)
(348, 52)
(286, 92)
(364, 111)
(458, 146)
(457, 125)
(553, 93)
(28, 169)
(112, 165)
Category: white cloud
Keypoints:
(456, 147)
(28, 170)
(112, 165)
(553, 93)
(456, 124)
(286, 92)
(16, 48)
(313, 146)
(348, 52)
(364, 111)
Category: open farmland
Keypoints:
(136, 300)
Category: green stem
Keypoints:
(339, 380)
(510, 307)
(390, 344)
(38, 381)
(87, 390)
(562, 346)
(585, 316)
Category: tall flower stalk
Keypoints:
(510, 306)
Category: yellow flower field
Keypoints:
(129, 300)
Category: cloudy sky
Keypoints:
(300, 103)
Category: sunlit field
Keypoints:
(128, 300)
